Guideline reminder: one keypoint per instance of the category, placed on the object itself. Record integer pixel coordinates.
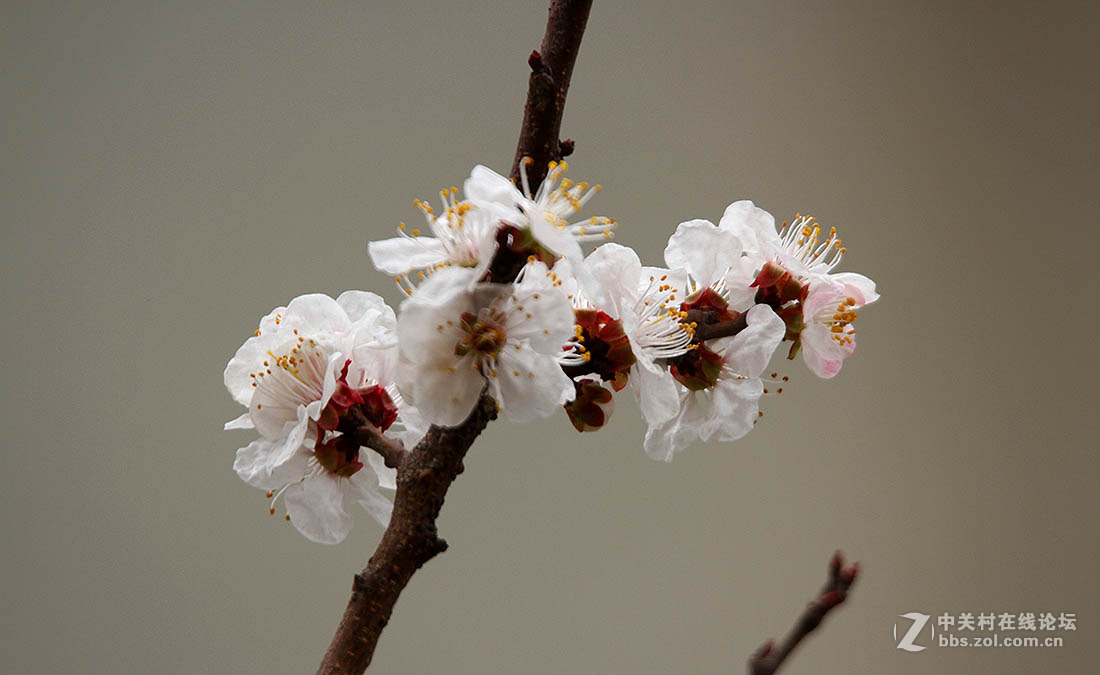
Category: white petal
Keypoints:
(487, 185)
(445, 392)
(242, 422)
(618, 272)
(423, 330)
(545, 320)
(401, 255)
(664, 441)
(532, 385)
(555, 238)
(317, 313)
(748, 352)
(741, 274)
(751, 224)
(702, 250)
(250, 355)
(365, 490)
(316, 508)
(387, 477)
(657, 392)
(288, 439)
(364, 306)
(254, 465)
(734, 405)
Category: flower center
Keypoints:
(483, 335)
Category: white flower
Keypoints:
(455, 339)
(712, 257)
(464, 235)
(828, 336)
(307, 365)
(547, 211)
(643, 299)
(725, 410)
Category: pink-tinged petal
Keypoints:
(860, 288)
(316, 508)
(823, 355)
(401, 255)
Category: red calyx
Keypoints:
(353, 407)
(605, 341)
(592, 407)
(698, 369)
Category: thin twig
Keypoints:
(551, 70)
(369, 436)
(769, 657)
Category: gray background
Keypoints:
(170, 172)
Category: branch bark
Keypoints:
(425, 473)
(768, 658)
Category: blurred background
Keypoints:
(172, 171)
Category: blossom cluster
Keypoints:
(502, 302)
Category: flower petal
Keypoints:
(702, 250)
(748, 352)
(858, 286)
(242, 422)
(753, 225)
(445, 392)
(365, 490)
(656, 391)
(734, 406)
(401, 255)
(487, 185)
(618, 272)
(531, 385)
(427, 329)
(316, 507)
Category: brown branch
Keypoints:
(423, 476)
(769, 657)
(551, 69)
(425, 473)
(707, 327)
